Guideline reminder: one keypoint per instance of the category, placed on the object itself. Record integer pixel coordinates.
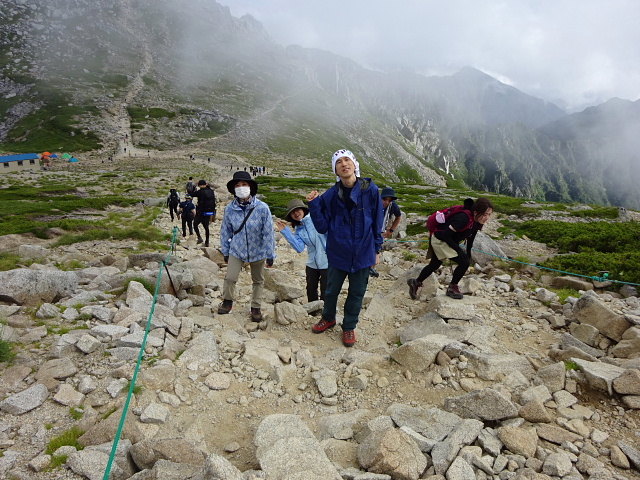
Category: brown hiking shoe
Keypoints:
(225, 307)
(414, 285)
(348, 338)
(453, 291)
(256, 315)
(323, 325)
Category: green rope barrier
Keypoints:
(112, 456)
(603, 278)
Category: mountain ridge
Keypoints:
(224, 83)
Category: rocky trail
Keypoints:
(508, 383)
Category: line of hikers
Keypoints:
(343, 230)
(194, 215)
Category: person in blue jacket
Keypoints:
(306, 235)
(351, 215)
(246, 236)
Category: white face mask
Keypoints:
(243, 192)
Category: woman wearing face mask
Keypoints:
(246, 236)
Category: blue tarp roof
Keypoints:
(16, 158)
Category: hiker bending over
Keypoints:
(246, 236)
(350, 213)
(463, 224)
(306, 235)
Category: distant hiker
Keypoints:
(450, 227)
(205, 210)
(246, 236)
(187, 212)
(306, 235)
(190, 187)
(173, 200)
(350, 213)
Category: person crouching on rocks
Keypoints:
(306, 235)
(246, 236)
(350, 213)
(445, 243)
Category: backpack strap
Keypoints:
(246, 217)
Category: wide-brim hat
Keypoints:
(244, 176)
(293, 205)
(389, 192)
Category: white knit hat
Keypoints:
(344, 153)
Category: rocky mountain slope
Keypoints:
(508, 383)
(207, 78)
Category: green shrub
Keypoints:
(603, 237)
(52, 126)
(148, 286)
(57, 461)
(623, 267)
(571, 365)
(414, 229)
(521, 261)
(109, 412)
(140, 114)
(6, 349)
(408, 256)
(8, 261)
(598, 212)
(70, 437)
(563, 293)
(136, 389)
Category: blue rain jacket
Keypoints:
(307, 235)
(353, 237)
(256, 241)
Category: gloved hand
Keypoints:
(226, 259)
(269, 262)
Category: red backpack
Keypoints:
(437, 219)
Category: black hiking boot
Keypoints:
(225, 307)
(199, 239)
(414, 285)
(256, 315)
(453, 291)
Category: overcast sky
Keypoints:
(574, 53)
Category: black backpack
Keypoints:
(174, 198)
(191, 187)
(206, 200)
